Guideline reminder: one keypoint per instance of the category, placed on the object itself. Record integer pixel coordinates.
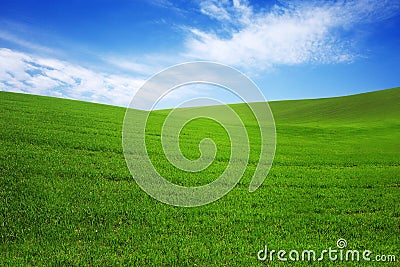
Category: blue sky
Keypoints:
(103, 51)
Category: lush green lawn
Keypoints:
(67, 197)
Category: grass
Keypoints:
(67, 197)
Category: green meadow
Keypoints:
(67, 197)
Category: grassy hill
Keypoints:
(67, 197)
(368, 108)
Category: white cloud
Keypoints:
(291, 33)
(20, 72)
(215, 11)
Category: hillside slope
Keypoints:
(375, 106)
(68, 199)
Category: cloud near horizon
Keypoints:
(25, 73)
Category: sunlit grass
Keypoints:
(67, 197)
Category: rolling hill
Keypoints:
(67, 197)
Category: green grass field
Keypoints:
(67, 197)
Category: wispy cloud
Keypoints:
(12, 38)
(143, 65)
(291, 33)
(168, 5)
